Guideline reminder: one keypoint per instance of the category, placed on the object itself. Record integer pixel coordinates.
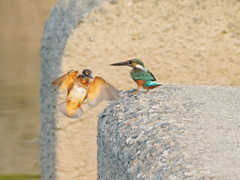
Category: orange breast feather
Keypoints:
(139, 82)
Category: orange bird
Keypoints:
(81, 87)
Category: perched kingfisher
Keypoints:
(139, 74)
(81, 87)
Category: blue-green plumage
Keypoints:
(145, 75)
(150, 83)
(139, 74)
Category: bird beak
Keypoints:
(90, 75)
(119, 64)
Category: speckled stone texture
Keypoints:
(172, 132)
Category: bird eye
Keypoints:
(130, 62)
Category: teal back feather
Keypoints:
(139, 74)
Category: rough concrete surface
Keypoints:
(180, 42)
(173, 132)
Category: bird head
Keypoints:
(87, 73)
(133, 63)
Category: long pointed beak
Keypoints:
(119, 64)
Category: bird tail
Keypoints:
(70, 112)
(150, 84)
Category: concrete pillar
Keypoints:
(173, 132)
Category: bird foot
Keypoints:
(136, 92)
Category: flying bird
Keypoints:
(81, 87)
(144, 78)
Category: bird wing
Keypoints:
(100, 90)
(139, 74)
(65, 81)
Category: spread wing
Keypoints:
(65, 81)
(100, 90)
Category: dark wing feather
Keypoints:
(100, 90)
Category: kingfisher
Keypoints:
(81, 87)
(144, 78)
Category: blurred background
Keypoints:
(22, 24)
(183, 42)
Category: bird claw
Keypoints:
(136, 92)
